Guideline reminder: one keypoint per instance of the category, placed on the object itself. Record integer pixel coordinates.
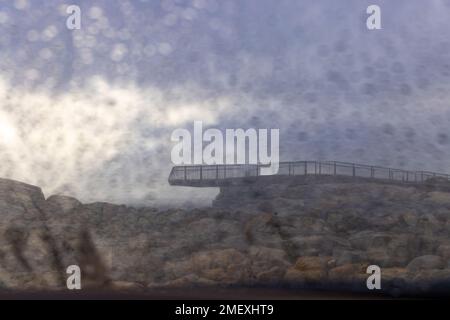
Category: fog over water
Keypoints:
(90, 112)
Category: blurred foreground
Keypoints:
(272, 239)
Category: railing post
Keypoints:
(306, 168)
(257, 170)
(201, 172)
(354, 170)
(289, 168)
(320, 167)
(372, 173)
(217, 171)
(315, 168)
(335, 168)
(185, 173)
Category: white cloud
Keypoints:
(97, 142)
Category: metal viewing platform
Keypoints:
(221, 175)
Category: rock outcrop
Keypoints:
(279, 234)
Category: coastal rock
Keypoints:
(427, 262)
(63, 203)
(274, 234)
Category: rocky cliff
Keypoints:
(282, 234)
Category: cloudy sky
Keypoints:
(90, 112)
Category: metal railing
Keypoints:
(199, 173)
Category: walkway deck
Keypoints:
(218, 175)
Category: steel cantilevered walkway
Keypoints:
(216, 175)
